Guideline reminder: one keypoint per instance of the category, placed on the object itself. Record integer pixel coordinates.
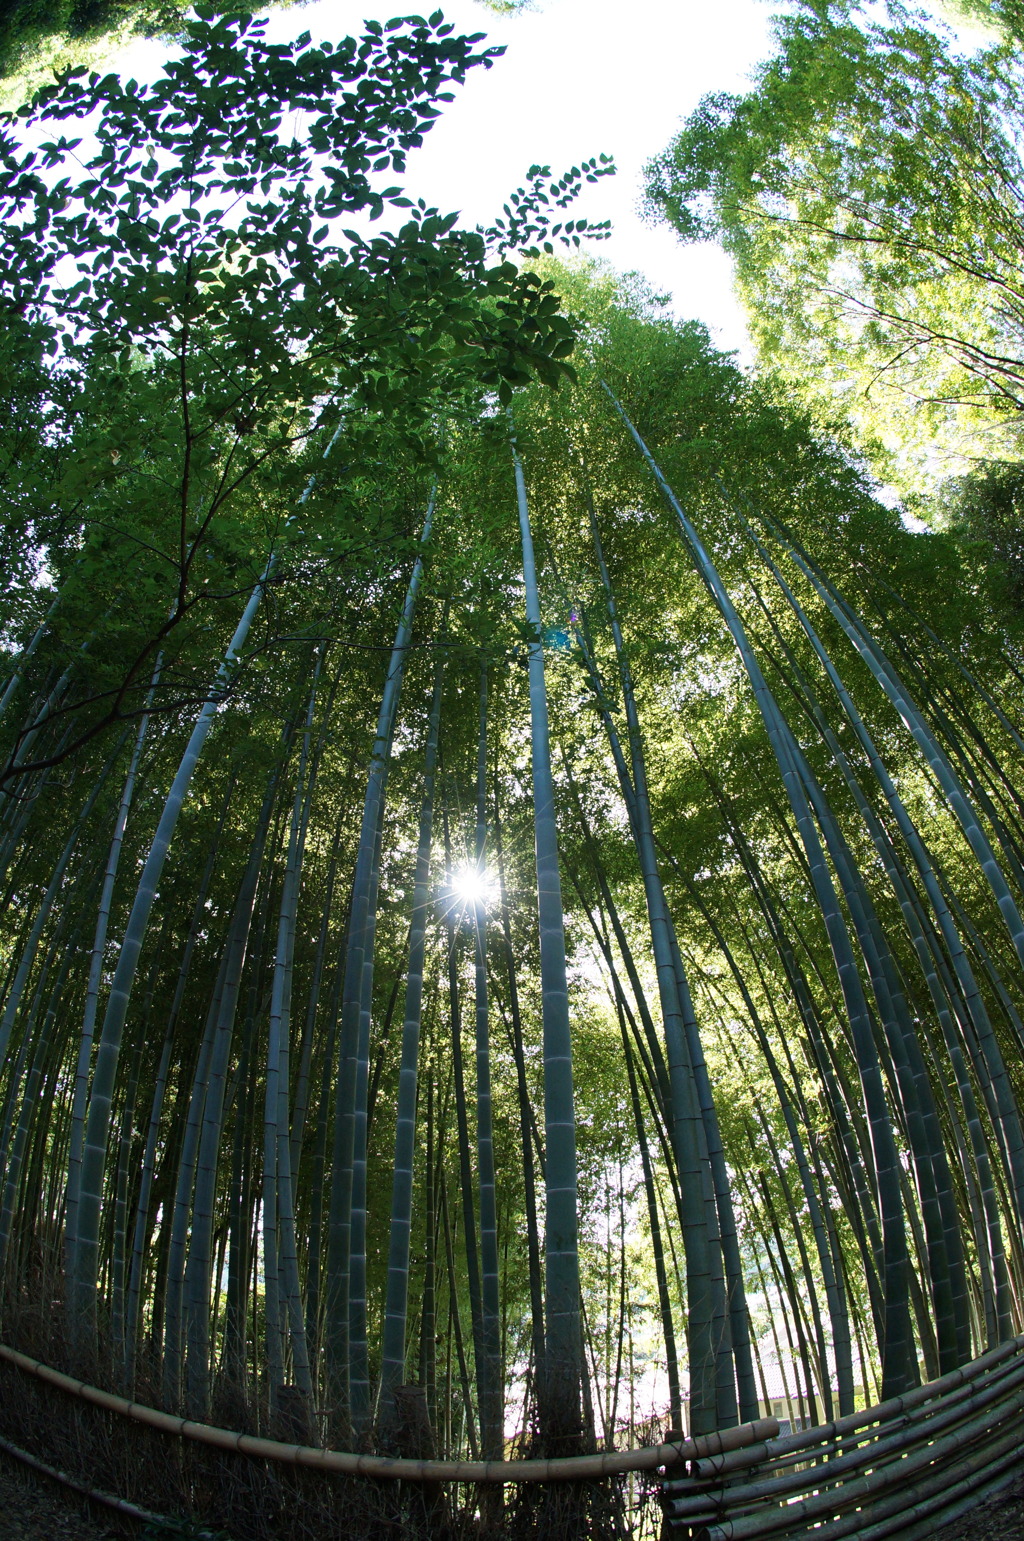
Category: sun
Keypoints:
(472, 887)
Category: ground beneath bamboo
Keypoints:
(33, 1508)
(1001, 1519)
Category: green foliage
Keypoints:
(868, 189)
(988, 510)
(185, 305)
(37, 33)
(1001, 16)
(507, 7)
(39, 38)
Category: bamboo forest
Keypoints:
(511, 817)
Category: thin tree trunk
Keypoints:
(899, 1366)
(490, 1390)
(86, 1260)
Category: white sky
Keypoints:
(579, 77)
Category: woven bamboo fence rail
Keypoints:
(903, 1466)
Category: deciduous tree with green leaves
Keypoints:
(869, 189)
(207, 310)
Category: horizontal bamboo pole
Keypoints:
(579, 1468)
(962, 1498)
(97, 1495)
(958, 1485)
(929, 1497)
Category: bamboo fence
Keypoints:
(903, 1466)
(583, 1468)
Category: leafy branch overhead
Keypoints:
(196, 207)
(184, 284)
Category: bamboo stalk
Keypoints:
(345, 1293)
(899, 1367)
(393, 1342)
(757, 1498)
(855, 1490)
(86, 1269)
(560, 1401)
(490, 1390)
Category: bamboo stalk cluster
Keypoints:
(248, 1171)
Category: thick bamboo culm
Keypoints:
(927, 1455)
(583, 1468)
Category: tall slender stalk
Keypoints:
(396, 1305)
(489, 1372)
(899, 1367)
(93, 990)
(560, 1401)
(345, 1303)
(86, 1256)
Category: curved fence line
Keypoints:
(580, 1468)
(902, 1465)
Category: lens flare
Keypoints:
(471, 886)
